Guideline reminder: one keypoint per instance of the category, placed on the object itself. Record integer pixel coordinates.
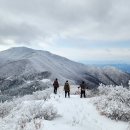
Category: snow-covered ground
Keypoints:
(74, 113)
(80, 114)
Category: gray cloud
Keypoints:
(30, 21)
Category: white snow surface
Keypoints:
(74, 113)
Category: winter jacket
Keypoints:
(83, 87)
(56, 84)
(67, 87)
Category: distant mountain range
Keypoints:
(123, 67)
(22, 69)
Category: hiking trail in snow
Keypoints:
(77, 113)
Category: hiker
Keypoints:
(67, 89)
(56, 85)
(83, 88)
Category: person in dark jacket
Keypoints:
(67, 89)
(83, 88)
(56, 85)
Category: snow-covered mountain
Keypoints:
(22, 68)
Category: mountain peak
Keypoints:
(16, 52)
(21, 48)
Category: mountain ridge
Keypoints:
(25, 64)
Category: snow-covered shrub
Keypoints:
(37, 123)
(25, 123)
(36, 110)
(19, 100)
(39, 110)
(46, 111)
(31, 114)
(104, 90)
(22, 122)
(5, 108)
(114, 102)
(42, 95)
(49, 112)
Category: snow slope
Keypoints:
(74, 113)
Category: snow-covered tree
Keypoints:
(42, 95)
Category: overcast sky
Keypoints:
(81, 30)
